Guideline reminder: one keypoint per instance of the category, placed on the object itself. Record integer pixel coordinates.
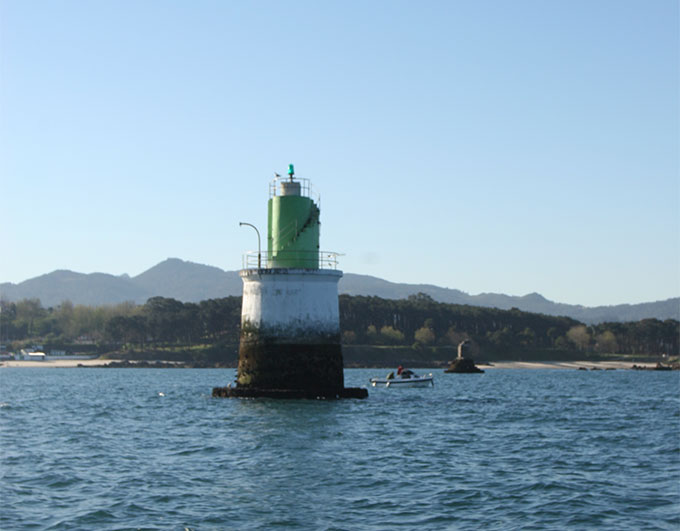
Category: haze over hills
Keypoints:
(191, 282)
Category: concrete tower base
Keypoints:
(290, 336)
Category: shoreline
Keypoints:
(58, 364)
(564, 365)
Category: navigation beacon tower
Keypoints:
(290, 325)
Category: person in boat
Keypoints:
(404, 373)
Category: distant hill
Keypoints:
(191, 282)
(174, 278)
(188, 281)
(366, 285)
(94, 289)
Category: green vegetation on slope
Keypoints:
(374, 331)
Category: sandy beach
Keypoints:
(573, 365)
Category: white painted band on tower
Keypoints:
(291, 303)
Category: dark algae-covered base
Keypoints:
(270, 368)
(273, 363)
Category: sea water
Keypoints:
(151, 449)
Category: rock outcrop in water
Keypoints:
(658, 367)
(463, 364)
(142, 364)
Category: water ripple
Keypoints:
(514, 449)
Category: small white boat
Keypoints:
(406, 378)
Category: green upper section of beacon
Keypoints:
(293, 227)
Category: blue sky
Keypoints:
(489, 146)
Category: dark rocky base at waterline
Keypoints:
(657, 367)
(463, 365)
(311, 394)
(145, 364)
(274, 363)
(142, 364)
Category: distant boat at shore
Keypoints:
(38, 355)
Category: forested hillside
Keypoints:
(416, 323)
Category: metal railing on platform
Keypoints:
(300, 259)
(306, 189)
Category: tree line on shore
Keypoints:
(415, 322)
